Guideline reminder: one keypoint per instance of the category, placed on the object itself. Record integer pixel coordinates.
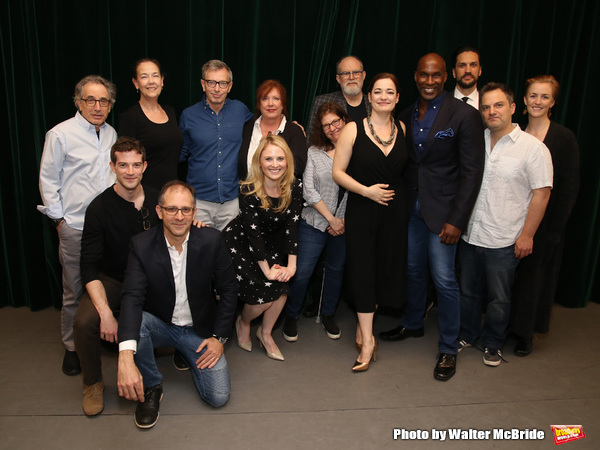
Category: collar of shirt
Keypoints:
(257, 137)
(422, 128)
(206, 105)
(182, 315)
(473, 97)
(513, 136)
(277, 131)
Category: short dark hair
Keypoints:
(465, 48)
(492, 86)
(319, 138)
(172, 184)
(127, 144)
(263, 89)
(143, 60)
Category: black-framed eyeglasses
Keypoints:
(334, 123)
(172, 210)
(213, 83)
(145, 214)
(354, 73)
(91, 101)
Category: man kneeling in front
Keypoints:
(168, 301)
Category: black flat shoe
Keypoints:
(146, 413)
(523, 347)
(445, 367)
(400, 333)
(70, 365)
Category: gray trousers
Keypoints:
(69, 251)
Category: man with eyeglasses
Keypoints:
(350, 75)
(212, 136)
(168, 301)
(111, 220)
(73, 171)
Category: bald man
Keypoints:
(444, 170)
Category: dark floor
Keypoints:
(312, 400)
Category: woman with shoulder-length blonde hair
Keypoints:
(536, 277)
(263, 240)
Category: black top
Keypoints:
(110, 222)
(357, 113)
(163, 142)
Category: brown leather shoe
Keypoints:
(93, 399)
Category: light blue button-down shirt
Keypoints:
(75, 168)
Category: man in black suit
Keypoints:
(167, 301)
(443, 175)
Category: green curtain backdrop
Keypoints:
(47, 46)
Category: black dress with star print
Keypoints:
(258, 234)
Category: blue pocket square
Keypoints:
(445, 134)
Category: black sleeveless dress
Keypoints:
(376, 235)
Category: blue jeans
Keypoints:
(425, 250)
(213, 384)
(486, 275)
(311, 243)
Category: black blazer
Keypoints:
(448, 176)
(294, 138)
(149, 285)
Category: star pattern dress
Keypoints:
(258, 234)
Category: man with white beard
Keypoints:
(350, 75)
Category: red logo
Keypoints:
(567, 433)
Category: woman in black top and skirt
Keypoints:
(369, 161)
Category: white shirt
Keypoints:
(473, 97)
(517, 164)
(75, 168)
(182, 315)
(257, 137)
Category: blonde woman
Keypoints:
(263, 240)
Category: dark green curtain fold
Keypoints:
(48, 45)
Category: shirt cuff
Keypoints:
(131, 344)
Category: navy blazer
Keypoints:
(149, 285)
(448, 176)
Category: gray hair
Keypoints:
(337, 64)
(215, 64)
(110, 87)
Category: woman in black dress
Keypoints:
(154, 125)
(263, 240)
(537, 275)
(369, 161)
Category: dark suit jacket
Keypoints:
(448, 176)
(294, 138)
(149, 285)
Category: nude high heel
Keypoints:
(363, 366)
(243, 345)
(275, 355)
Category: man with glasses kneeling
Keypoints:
(112, 219)
(168, 301)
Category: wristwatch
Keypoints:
(222, 340)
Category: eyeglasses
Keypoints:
(354, 73)
(172, 210)
(334, 123)
(213, 83)
(145, 222)
(91, 101)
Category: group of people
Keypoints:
(440, 198)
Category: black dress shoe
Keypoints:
(179, 361)
(70, 365)
(146, 413)
(400, 333)
(445, 367)
(524, 347)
